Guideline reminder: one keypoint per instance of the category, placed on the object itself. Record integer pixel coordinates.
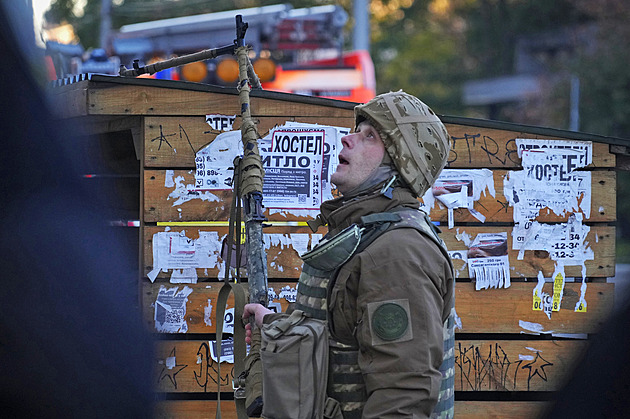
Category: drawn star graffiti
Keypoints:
(537, 368)
(488, 369)
(171, 372)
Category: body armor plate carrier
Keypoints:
(345, 381)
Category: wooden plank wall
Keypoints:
(502, 369)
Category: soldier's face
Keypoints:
(362, 153)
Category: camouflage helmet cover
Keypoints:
(414, 136)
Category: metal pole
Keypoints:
(106, 23)
(361, 37)
(574, 124)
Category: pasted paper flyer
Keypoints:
(174, 250)
(549, 179)
(298, 160)
(488, 261)
(170, 309)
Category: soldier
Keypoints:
(381, 277)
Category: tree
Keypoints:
(86, 21)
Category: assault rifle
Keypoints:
(249, 174)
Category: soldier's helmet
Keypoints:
(414, 136)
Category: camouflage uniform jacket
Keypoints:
(401, 275)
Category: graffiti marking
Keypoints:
(171, 372)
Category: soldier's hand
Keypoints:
(258, 311)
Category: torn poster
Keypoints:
(565, 242)
(459, 255)
(214, 164)
(298, 160)
(549, 179)
(584, 149)
(580, 306)
(227, 350)
(173, 250)
(538, 292)
(184, 192)
(221, 122)
(300, 242)
(294, 165)
(488, 261)
(288, 293)
(558, 286)
(456, 188)
(170, 310)
(545, 302)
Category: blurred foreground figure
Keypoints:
(600, 383)
(71, 340)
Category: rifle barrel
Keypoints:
(206, 54)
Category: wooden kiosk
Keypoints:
(509, 356)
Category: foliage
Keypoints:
(431, 47)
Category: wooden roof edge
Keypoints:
(291, 97)
(533, 129)
(200, 87)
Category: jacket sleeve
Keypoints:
(390, 297)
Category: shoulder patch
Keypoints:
(390, 321)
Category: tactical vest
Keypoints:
(320, 268)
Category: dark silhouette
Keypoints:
(71, 339)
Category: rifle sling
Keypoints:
(240, 300)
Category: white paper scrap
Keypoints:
(184, 276)
(537, 292)
(547, 304)
(207, 313)
(463, 237)
(459, 255)
(228, 320)
(153, 274)
(174, 250)
(187, 192)
(566, 242)
(457, 188)
(581, 305)
(271, 294)
(170, 362)
(535, 328)
(168, 179)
